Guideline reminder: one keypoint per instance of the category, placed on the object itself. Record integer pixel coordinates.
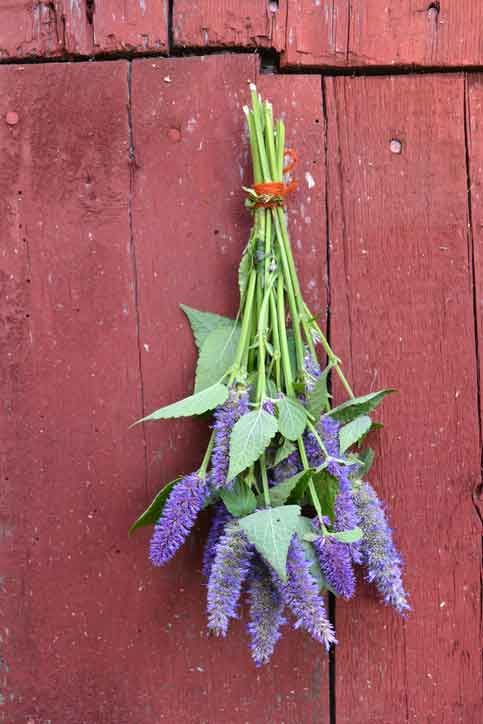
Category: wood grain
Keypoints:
(60, 28)
(226, 23)
(71, 583)
(189, 229)
(362, 33)
(402, 315)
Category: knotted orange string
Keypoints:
(276, 191)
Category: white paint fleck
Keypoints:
(309, 179)
(146, 347)
(142, 5)
(167, 79)
(191, 125)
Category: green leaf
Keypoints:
(244, 269)
(153, 512)
(239, 500)
(305, 531)
(292, 418)
(318, 399)
(327, 488)
(271, 531)
(193, 405)
(347, 536)
(271, 388)
(217, 355)
(367, 458)
(353, 431)
(292, 351)
(292, 488)
(283, 452)
(202, 323)
(249, 438)
(359, 405)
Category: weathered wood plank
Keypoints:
(134, 26)
(229, 23)
(189, 229)
(402, 315)
(72, 586)
(474, 127)
(360, 33)
(55, 28)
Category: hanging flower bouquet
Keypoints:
(284, 471)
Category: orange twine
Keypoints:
(276, 191)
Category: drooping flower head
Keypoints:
(229, 569)
(380, 556)
(220, 518)
(178, 517)
(336, 564)
(225, 418)
(301, 595)
(266, 608)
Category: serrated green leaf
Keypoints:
(244, 269)
(292, 418)
(327, 488)
(239, 500)
(217, 355)
(318, 398)
(353, 431)
(193, 405)
(292, 488)
(271, 531)
(283, 452)
(249, 438)
(153, 512)
(202, 323)
(367, 458)
(359, 405)
(347, 536)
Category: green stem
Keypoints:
(246, 326)
(206, 459)
(312, 490)
(282, 330)
(275, 338)
(266, 490)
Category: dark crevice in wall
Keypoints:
(170, 25)
(132, 250)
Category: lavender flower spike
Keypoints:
(266, 606)
(229, 570)
(220, 517)
(378, 550)
(177, 519)
(301, 595)
(336, 564)
(225, 417)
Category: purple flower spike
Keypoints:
(225, 418)
(230, 568)
(287, 468)
(336, 564)
(266, 607)
(330, 434)
(311, 371)
(177, 519)
(379, 553)
(302, 596)
(220, 517)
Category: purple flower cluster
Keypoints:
(220, 518)
(336, 564)
(311, 371)
(379, 553)
(266, 609)
(225, 418)
(229, 569)
(301, 595)
(177, 519)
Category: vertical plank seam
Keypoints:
(331, 597)
(169, 5)
(132, 250)
(473, 277)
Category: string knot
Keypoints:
(273, 193)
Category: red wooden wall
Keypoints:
(119, 198)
